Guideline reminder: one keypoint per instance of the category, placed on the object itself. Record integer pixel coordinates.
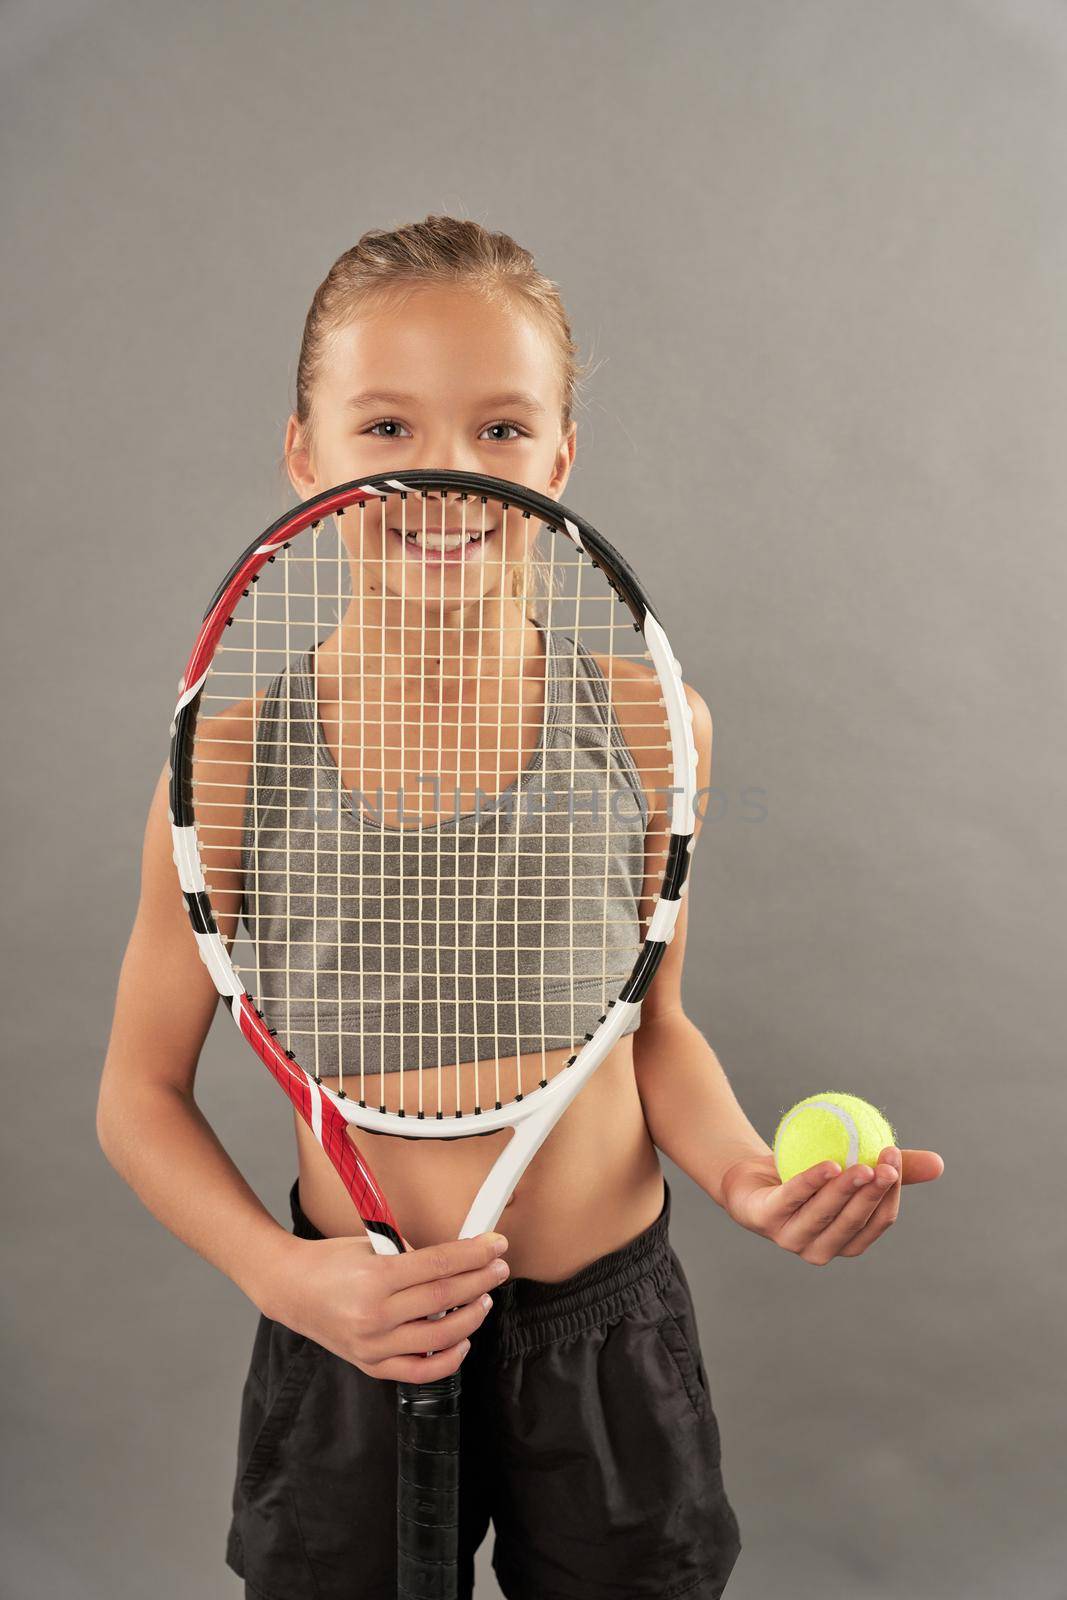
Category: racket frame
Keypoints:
(328, 1112)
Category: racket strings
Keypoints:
(460, 958)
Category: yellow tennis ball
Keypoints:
(830, 1127)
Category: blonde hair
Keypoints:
(434, 251)
(437, 250)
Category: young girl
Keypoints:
(589, 1436)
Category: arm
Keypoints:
(368, 1309)
(148, 1123)
(692, 1112)
(695, 1119)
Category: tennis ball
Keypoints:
(830, 1127)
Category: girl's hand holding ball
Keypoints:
(833, 1185)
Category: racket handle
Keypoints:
(427, 1511)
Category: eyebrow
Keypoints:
(518, 399)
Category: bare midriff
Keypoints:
(594, 1184)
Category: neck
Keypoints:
(391, 638)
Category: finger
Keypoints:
(823, 1232)
(444, 1260)
(443, 1294)
(791, 1196)
(878, 1222)
(813, 1215)
(420, 1369)
(427, 1334)
(920, 1166)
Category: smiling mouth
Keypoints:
(438, 547)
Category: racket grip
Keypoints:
(427, 1511)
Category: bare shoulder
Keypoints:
(637, 702)
(633, 684)
(637, 699)
(222, 753)
(222, 760)
(166, 997)
(702, 727)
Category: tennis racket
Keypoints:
(432, 797)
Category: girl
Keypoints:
(589, 1436)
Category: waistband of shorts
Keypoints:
(529, 1312)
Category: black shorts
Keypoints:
(588, 1439)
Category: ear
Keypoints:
(564, 462)
(298, 460)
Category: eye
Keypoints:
(503, 423)
(385, 422)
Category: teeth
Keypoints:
(437, 541)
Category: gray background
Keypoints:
(818, 251)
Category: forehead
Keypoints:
(442, 344)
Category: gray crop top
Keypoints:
(562, 850)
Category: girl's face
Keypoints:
(442, 379)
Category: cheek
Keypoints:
(340, 453)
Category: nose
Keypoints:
(448, 453)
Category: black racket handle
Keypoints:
(427, 1509)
